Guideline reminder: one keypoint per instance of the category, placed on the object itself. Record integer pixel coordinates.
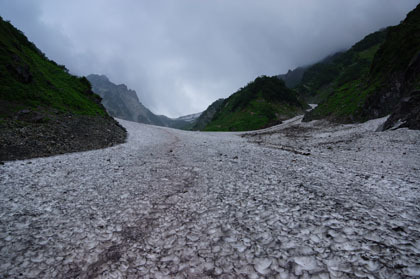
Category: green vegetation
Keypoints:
(322, 79)
(262, 103)
(346, 101)
(207, 115)
(350, 86)
(338, 82)
(29, 80)
(401, 48)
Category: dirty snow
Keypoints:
(299, 200)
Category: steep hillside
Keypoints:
(394, 78)
(43, 109)
(293, 77)
(207, 115)
(341, 70)
(262, 103)
(123, 103)
(190, 119)
(177, 123)
(389, 75)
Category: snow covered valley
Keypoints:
(299, 200)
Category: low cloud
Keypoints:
(182, 55)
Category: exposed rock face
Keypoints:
(397, 94)
(122, 102)
(406, 115)
(396, 68)
(384, 101)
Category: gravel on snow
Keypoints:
(299, 200)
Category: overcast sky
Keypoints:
(182, 55)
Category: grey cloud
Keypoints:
(182, 55)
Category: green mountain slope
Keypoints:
(30, 80)
(41, 104)
(262, 103)
(374, 84)
(339, 70)
(395, 73)
(207, 115)
(293, 77)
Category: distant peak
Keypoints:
(99, 77)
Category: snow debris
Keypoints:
(298, 200)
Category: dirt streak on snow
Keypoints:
(299, 200)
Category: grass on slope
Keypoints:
(401, 47)
(346, 101)
(262, 103)
(375, 72)
(344, 92)
(348, 92)
(341, 67)
(30, 80)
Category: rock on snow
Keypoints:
(299, 200)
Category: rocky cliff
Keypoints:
(394, 78)
(122, 102)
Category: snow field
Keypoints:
(299, 200)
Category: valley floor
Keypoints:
(299, 200)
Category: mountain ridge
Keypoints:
(384, 80)
(122, 102)
(206, 116)
(264, 102)
(43, 109)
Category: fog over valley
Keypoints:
(180, 56)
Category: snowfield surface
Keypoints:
(300, 200)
